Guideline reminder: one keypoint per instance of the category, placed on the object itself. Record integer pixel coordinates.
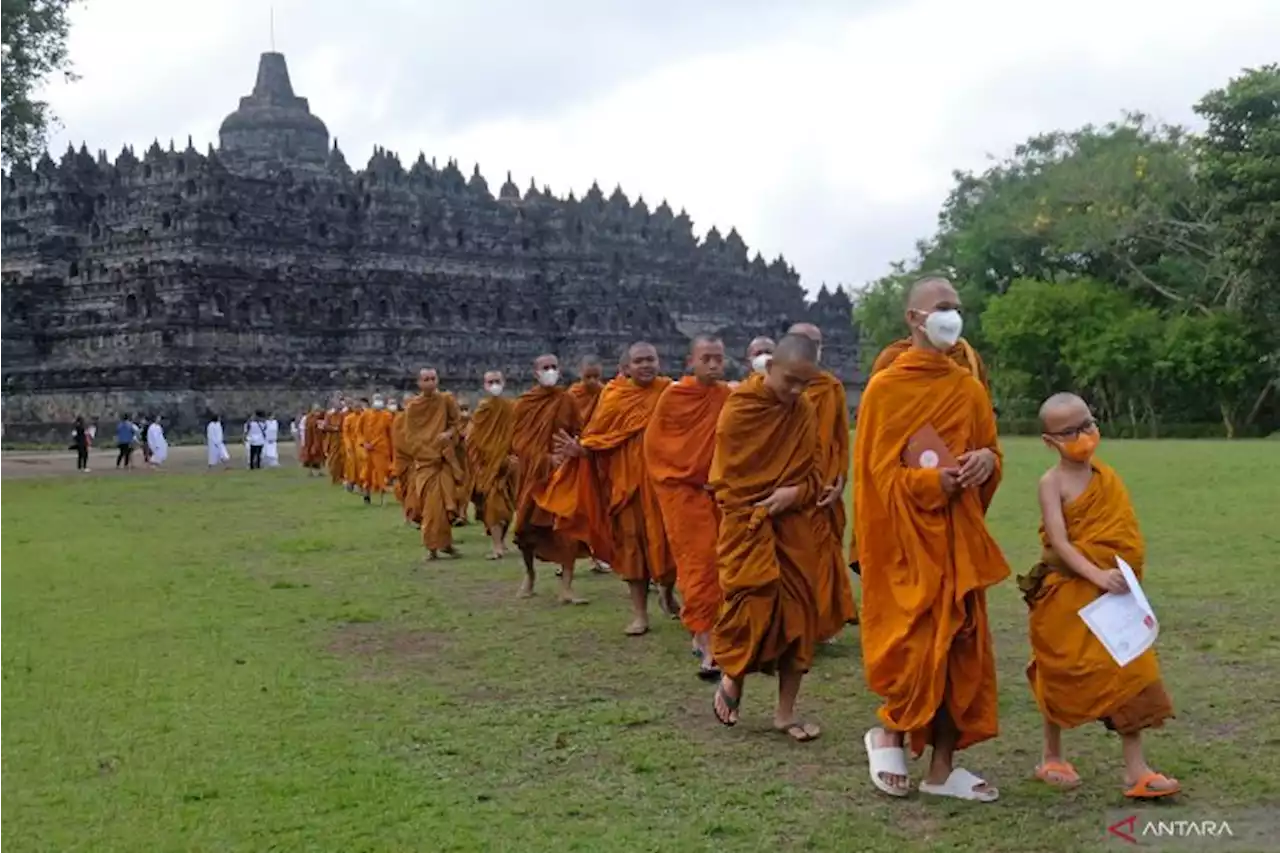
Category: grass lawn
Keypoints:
(253, 662)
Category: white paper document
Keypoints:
(1124, 623)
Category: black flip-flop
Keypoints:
(730, 702)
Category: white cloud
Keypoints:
(827, 132)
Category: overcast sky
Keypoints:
(826, 130)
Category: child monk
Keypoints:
(1088, 522)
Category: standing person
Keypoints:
(313, 447)
(927, 556)
(298, 429)
(126, 435)
(586, 391)
(158, 444)
(333, 439)
(832, 584)
(255, 436)
(80, 444)
(215, 442)
(144, 430)
(491, 463)
(348, 435)
(604, 495)
(375, 435)
(431, 424)
(767, 485)
(678, 446)
(271, 450)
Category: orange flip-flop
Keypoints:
(1142, 789)
(1058, 774)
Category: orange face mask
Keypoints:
(1081, 448)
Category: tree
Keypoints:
(34, 46)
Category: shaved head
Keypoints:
(428, 380)
(642, 362)
(794, 365)
(706, 359)
(546, 361)
(926, 293)
(807, 330)
(760, 346)
(591, 371)
(1059, 411)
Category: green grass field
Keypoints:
(254, 662)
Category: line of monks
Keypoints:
(727, 500)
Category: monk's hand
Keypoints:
(565, 445)
(1109, 580)
(950, 479)
(446, 435)
(976, 467)
(782, 499)
(832, 493)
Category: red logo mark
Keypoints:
(1125, 829)
(1148, 621)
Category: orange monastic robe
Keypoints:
(375, 439)
(465, 480)
(831, 583)
(314, 441)
(488, 459)
(678, 446)
(401, 462)
(352, 452)
(1074, 679)
(962, 354)
(333, 444)
(585, 399)
(606, 499)
(539, 415)
(927, 559)
(769, 618)
(433, 477)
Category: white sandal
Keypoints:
(961, 785)
(890, 760)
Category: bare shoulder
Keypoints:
(1051, 482)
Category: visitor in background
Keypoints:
(255, 436)
(215, 442)
(271, 450)
(126, 435)
(144, 430)
(157, 443)
(80, 444)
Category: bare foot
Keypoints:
(797, 730)
(637, 628)
(570, 598)
(727, 700)
(526, 589)
(881, 739)
(667, 602)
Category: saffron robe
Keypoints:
(401, 464)
(927, 558)
(831, 581)
(606, 498)
(333, 444)
(1074, 679)
(493, 477)
(585, 399)
(352, 452)
(769, 618)
(313, 447)
(678, 446)
(962, 354)
(375, 438)
(431, 495)
(540, 414)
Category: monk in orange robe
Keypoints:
(402, 464)
(586, 391)
(313, 442)
(927, 557)
(677, 450)
(333, 440)
(767, 485)
(1088, 522)
(431, 424)
(759, 354)
(831, 574)
(603, 494)
(491, 463)
(541, 414)
(375, 437)
(458, 459)
(351, 446)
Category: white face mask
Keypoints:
(494, 389)
(943, 328)
(760, 363)
(378, 404)
(548, 377)
(391, 407)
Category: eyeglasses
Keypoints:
(1090, 425)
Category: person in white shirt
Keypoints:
(255, 435)
(215, 442)
(271, 451)
(157, 442)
